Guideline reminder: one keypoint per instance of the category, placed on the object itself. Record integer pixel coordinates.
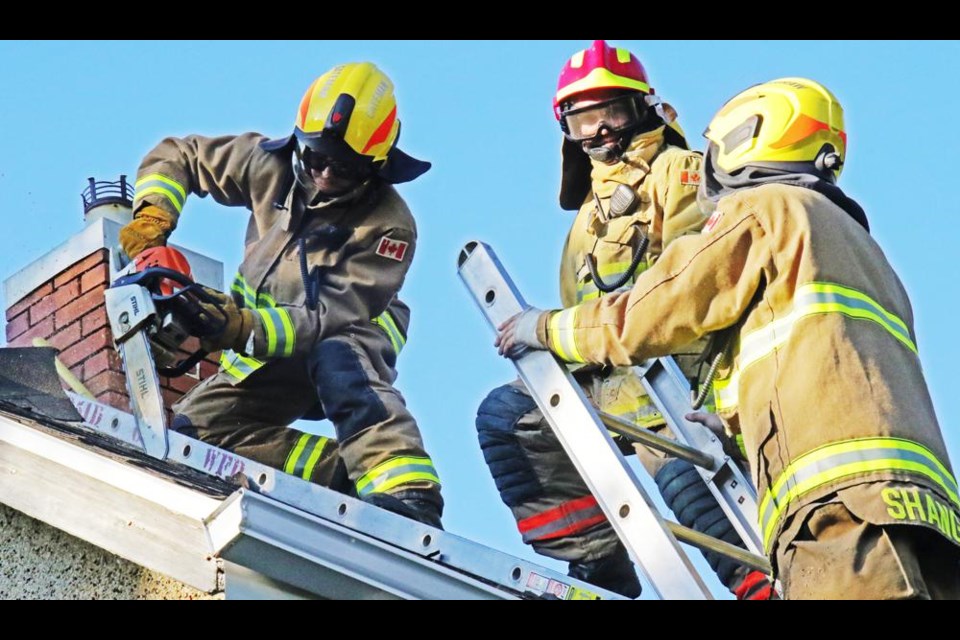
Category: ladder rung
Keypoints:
(651, 439)
(709, 543)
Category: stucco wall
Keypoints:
(38, 561)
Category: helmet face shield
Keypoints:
(609, 116)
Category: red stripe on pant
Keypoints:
(566, 519)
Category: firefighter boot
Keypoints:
(613, 572)
(421, 505)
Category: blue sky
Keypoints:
(481, 112)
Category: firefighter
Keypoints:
(314, 324)
(818, 366)
(627, 171)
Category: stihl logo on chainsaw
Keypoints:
(393, 249)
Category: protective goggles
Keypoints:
(346, 170)
(614, 115)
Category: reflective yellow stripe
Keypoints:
(277, 324)
(164, 192)
(159, 177)
(640, 411)
(413, 476)
(304, 469)
(289, 335)
(294, 455)
(827, 297)
(279, 331)
(269, 328)
(809, 299)
(394, 472)
(157, 183)
(314, 458)
(266, 297)
(609, 272)
(247, 301)
(388, 318)
(240, 286)
(562, 341)
(837, 460)
(237, 365)
(386, 329)
(288, 330)
(385, 321)
(227, 365)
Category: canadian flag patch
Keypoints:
(393, 249)
(690, 177)
(712, 221)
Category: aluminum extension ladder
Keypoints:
(583, 432)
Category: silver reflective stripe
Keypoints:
(395, 472)
(386, 322)
(562, 341)
(304, 456)
(587, 289)
(278, 328)
(810, 299)
(240, 286)
(839, 460)
(568, 524)
(238, 366)
(162, 185)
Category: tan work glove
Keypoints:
(149, 228)
(236, 332)
(525, 329)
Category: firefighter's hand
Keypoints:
(731, 445)
(710, 420)
(149, 228)
(518, 332)
(237, 324)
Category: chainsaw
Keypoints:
(154, 307)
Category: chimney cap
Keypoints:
(101, 193)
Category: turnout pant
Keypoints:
(347, 378)
(555, 511)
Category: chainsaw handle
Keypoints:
(184, 365)
(183, 300)
(151, 277)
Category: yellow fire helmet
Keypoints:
(789, 120)
(355, 103)
(348, 119)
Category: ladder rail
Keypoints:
(467, 568)
(667, 387)
(619, 494)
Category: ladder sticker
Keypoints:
(537, 583)
(541, 585)
(393, 249)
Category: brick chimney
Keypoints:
(59, 298)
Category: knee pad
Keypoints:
(497, 419)
(343, 386)
(694, 506)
